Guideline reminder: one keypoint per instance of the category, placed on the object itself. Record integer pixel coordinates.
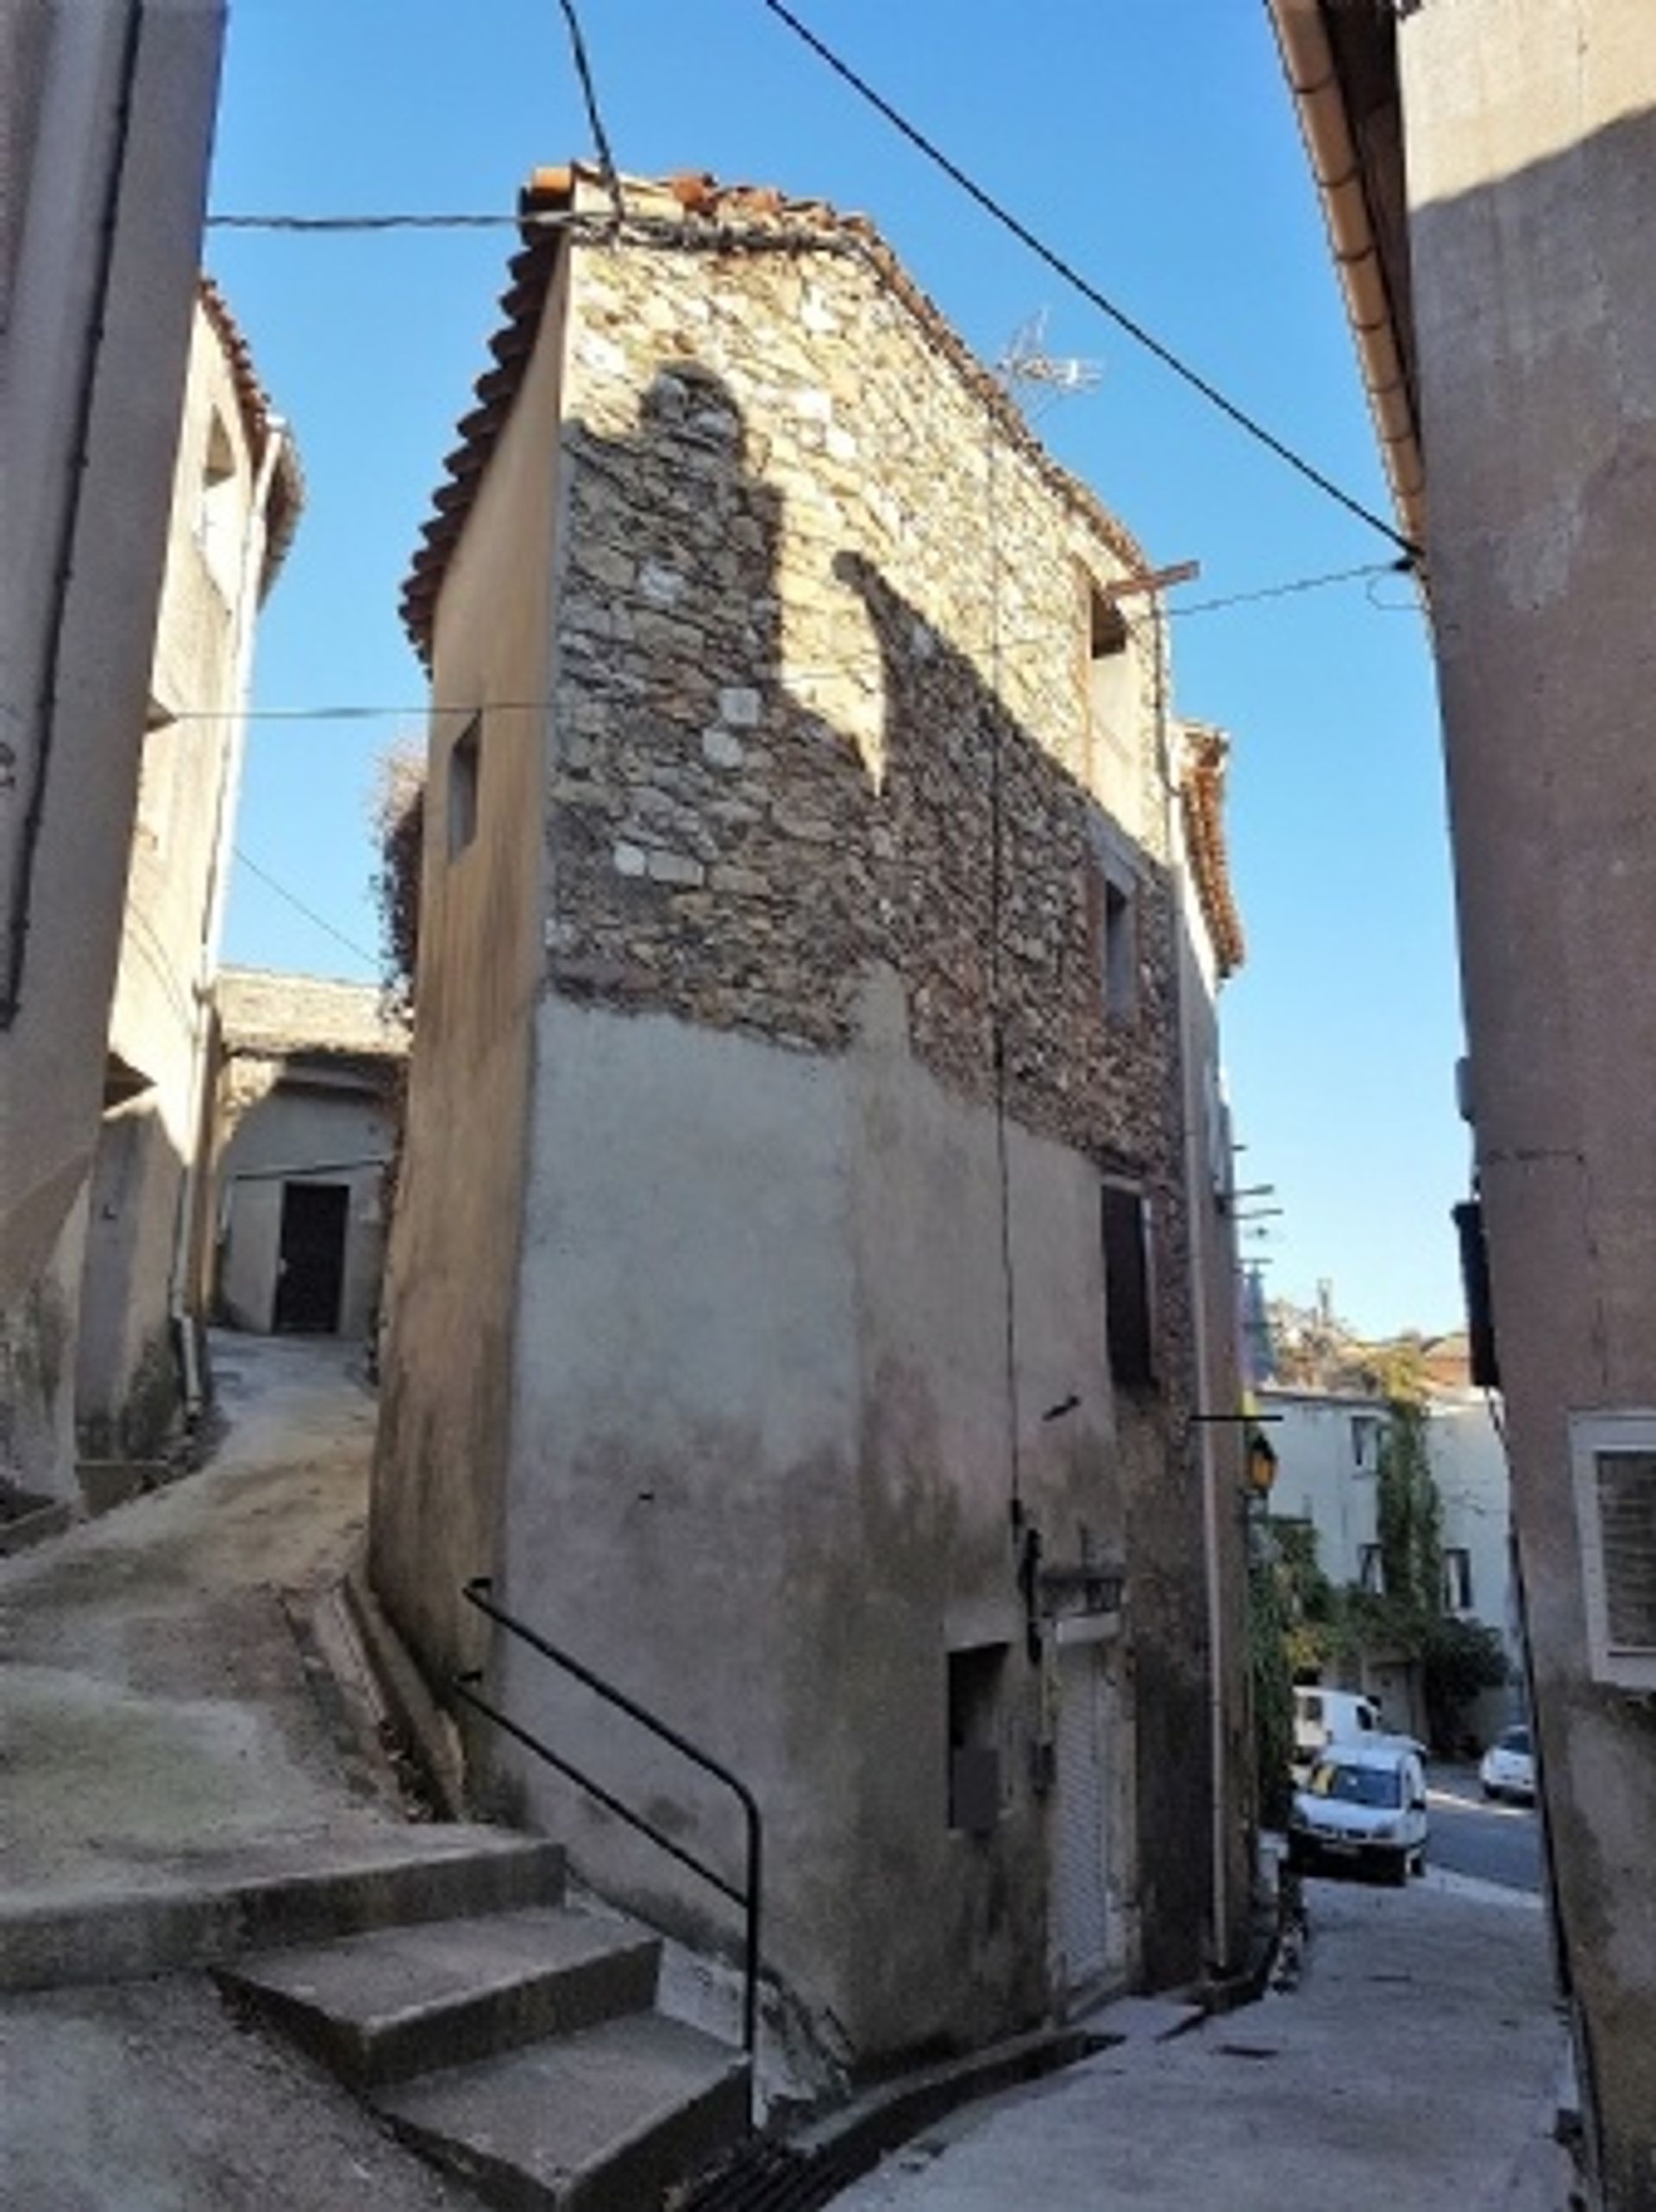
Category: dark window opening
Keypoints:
(1129, 1331)
(310, 1264)
(464, 768)
(1109, 676)
(1120, 952)
(1457, 1579)
(976, 1677)
(1370, 1574)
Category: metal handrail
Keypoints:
(747, 1894)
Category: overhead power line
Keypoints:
(589, 93)
(310, 913)
(368, 222)
(1135, 330)
(421, 710)
(1403, 566)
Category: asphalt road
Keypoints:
(1497, 1842)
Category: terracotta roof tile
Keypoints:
(1201, 789)
(691, 198)
(257, 417)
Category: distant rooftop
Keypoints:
(260, 1009)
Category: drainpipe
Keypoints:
(185, 1241)
(1320, 102)
(1219, 1905)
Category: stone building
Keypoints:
(305, 1114)
(1487, 170)
(105, 125)
(236, 495)
(811, 1258)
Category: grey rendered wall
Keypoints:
(312, 1133)
(1532, 148)
(97, 518)
(759, 1476)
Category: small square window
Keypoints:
(1112, 925)
(464, 766)
(975, 1679)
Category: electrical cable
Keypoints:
(423, 710)
(1089, 292)
(589, 93)
(1372, 569)
(309, 913)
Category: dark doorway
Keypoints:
(311, 1271)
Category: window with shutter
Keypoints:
(1614, 1466)
(1128, 1313)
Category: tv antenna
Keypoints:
(1037, 377)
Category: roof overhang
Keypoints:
(1340, 58)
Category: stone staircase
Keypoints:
(518, 2047)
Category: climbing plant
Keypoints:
(1408, 1517)
(1273, 1684)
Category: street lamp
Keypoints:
(1262, 1465)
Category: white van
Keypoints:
(1362, 1805)
(1323, 1717)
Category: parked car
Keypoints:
(1508, 1767)
(1325, 1716)
(1362, 1806)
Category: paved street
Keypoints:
(1468, 1835)
(1413, 2068)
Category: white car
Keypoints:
(1362, 1806)
(1508, 1767)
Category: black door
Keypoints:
(311, 1271)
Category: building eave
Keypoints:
(1201, 790)
(712, 217)
(1333, 64)
(260, 423)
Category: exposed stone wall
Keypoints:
(821, 701)
(823, 644)
(260, 1009)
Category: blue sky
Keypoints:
(1155, 147)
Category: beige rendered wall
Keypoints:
(1530, 154)
(101, 225)
(307, 1128)
(452, 1264)
(128, 1386)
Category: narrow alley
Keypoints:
(1415, 2065)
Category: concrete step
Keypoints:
(201, 1909)
(606, 2120)
(1145, 2020)
(377, 2008)
(26, 1520)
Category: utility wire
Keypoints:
(1072, 276)
(421, 710)
(1403, 566)
(309, 913)
(589, 93)
(304, 223)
